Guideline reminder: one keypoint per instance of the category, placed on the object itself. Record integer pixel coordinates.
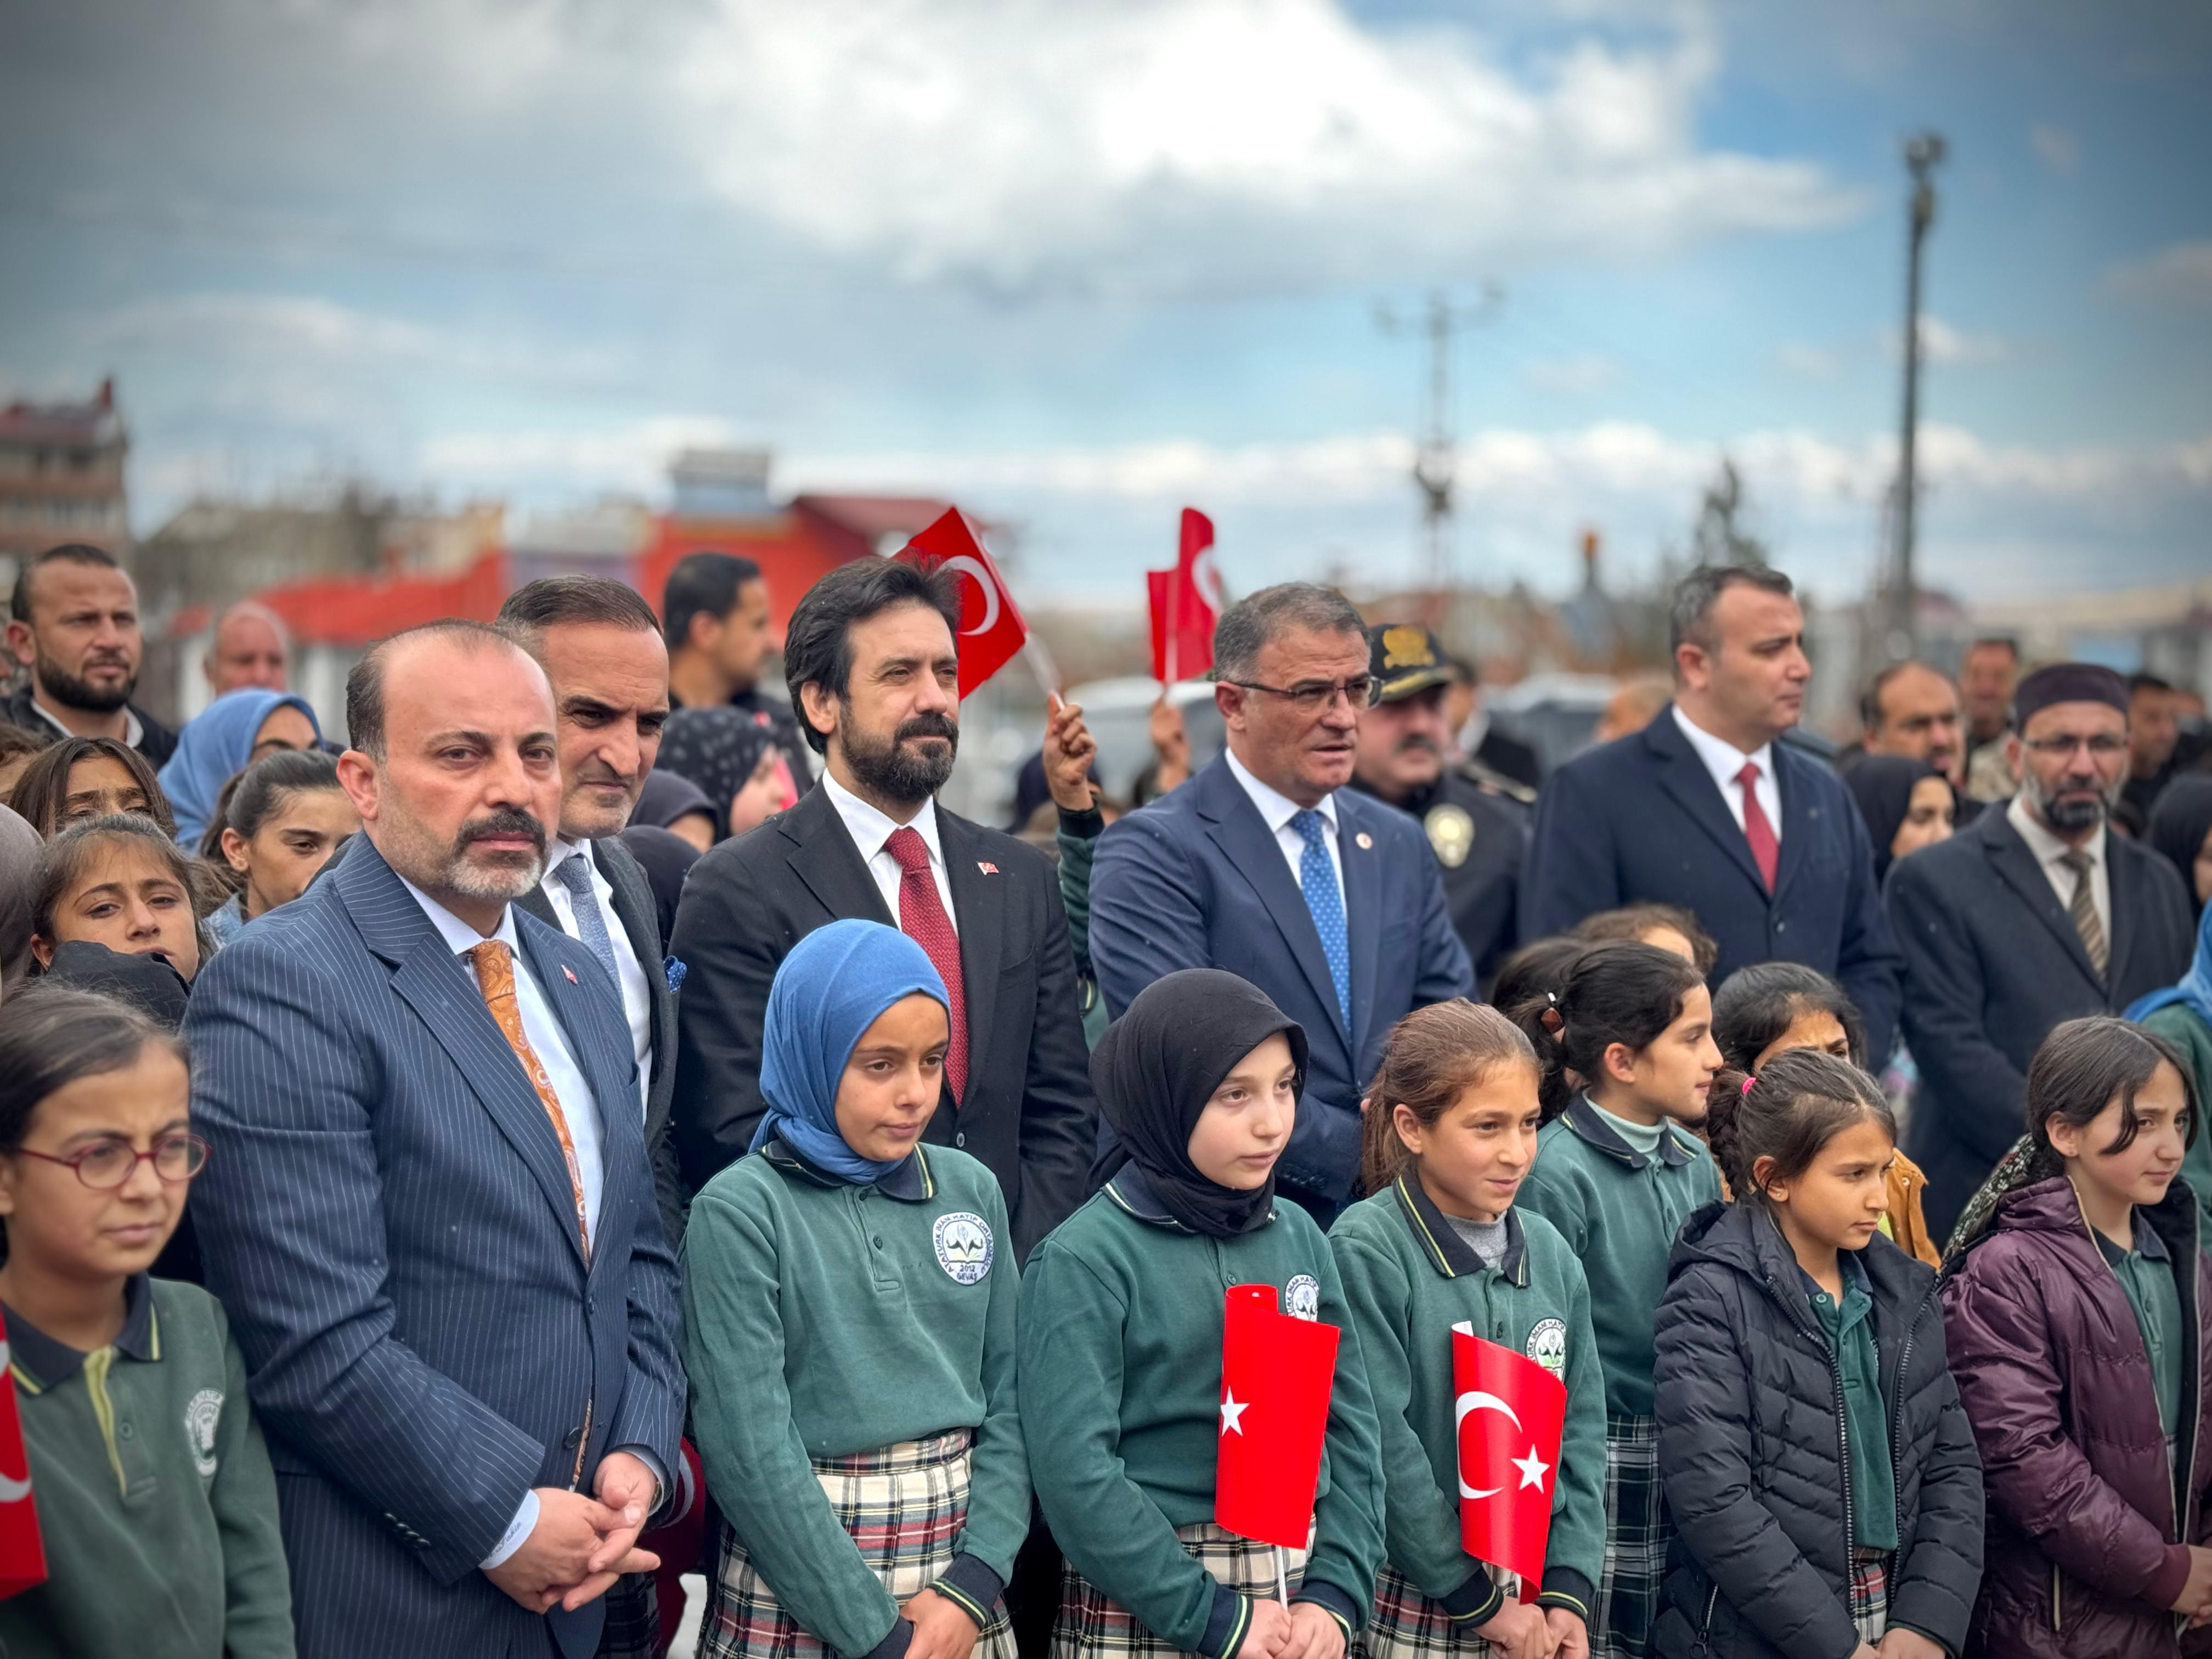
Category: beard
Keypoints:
(71, 692)
(2085, 803)
(438, 866)
(896, 773)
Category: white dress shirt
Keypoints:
(2049, 851)
(870, 827)
(133, 729)
(1279, 809)
(1724, 760)
(636, 989)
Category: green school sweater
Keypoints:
(1120, 1381)
(1409, 1278)
(1619, 1212)
(2147, 1278)
(1848, 1326)
(823, 1319)
(155, 1499)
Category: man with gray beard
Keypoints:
(2032, 915)
(873, 661)
(428, 1209)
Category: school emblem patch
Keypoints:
(1451, 834)
(1547, 1346)
(964, 1248)
(202, 1418)
(1302, 1297)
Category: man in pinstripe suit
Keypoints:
(434, 1228)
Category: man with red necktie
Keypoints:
(1707, 808)
(873, 663)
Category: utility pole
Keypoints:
(1437, 452)
(1923, 153)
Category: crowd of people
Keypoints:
(632, 1129)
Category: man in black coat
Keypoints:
(1479, 835)
(874, 671)
(73, 622)
(1703, 808)
(2035, 915)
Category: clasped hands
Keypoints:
(581, 1543)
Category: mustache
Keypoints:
(928, 726)
(508, 821)
(1418, 742)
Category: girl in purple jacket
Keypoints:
(2074, 1306)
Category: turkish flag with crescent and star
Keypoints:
(1186, 604)
(22, 1552)
(991, 631)
(1276, 1373)
(1509, 1413)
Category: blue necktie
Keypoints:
(576, 874)
(1317, 876)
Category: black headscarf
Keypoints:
(717, 749)
(2179, 824)
(1882, 786)
(1159, 1064)
(665, 798)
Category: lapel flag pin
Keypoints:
(986, 867)
(570, 971)
(1366, 841)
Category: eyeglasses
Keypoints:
(106, 1164)
(2103, 746)
(1312, 696)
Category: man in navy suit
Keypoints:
(434, 1226)
(1703, 808)
(1266, 866)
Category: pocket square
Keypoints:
(675, 968)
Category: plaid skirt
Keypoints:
(1636, 1535)
(1089, 1624)
(904, 1506)
(1870, 1597)
(1408, 1625)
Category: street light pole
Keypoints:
(1437, 452)
(1924, 152)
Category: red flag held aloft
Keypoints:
(22, 1552)
(1186, 604)
(991, 631)
(1276, 1374)
(1510, 1412)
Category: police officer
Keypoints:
(1477, 829)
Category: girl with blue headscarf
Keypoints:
(221, 741)
(849, 1324)
(2182, 1014)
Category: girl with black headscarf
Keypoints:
(1121, 1343)
(1907, 804)
(734, 759)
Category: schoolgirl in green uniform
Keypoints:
(849, 1323)
(1120, 1347)
(1451, 1135)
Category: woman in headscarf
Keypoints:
(849, 1317)
(1122, 1311)
(222, 740)
(1907, 804)
(677, 805)
(2182, 1014)
(2181, 827)
(733, 759)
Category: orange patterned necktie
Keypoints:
(494, 969)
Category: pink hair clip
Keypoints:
(1747, 1082)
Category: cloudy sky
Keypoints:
(1077, 263)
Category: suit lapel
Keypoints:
(822, 855)
(1363, 903)
(2121, 876)
(1795, 789)
(1250, 847)
(535, 903)
(979, 916)
(2016, 867)
(641, 922)
(1683, 776)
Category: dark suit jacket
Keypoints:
(1641, 819)
(1992, 962)
(388, 1220)
(640, 915)
(1196, 879)
(1029, 1114)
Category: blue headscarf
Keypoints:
(830, 988)
(2195, 985)
(215, 743)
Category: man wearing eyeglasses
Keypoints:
(2035, 915)
(1265, 865)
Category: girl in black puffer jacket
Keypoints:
(1819, 1470)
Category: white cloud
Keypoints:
(2060, 149)
(633, 458)
(1941, 343)
(2178, 274)
(1197, 145)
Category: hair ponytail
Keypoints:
(1621, 992)
(1782, 1115)
(1432, 1057)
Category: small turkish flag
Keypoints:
(1276, 1374)
(992, 632)
(1186, 604)
(22, 1552)
(1510, 1412)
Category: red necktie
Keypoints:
(922, 919)
(1765, 850)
